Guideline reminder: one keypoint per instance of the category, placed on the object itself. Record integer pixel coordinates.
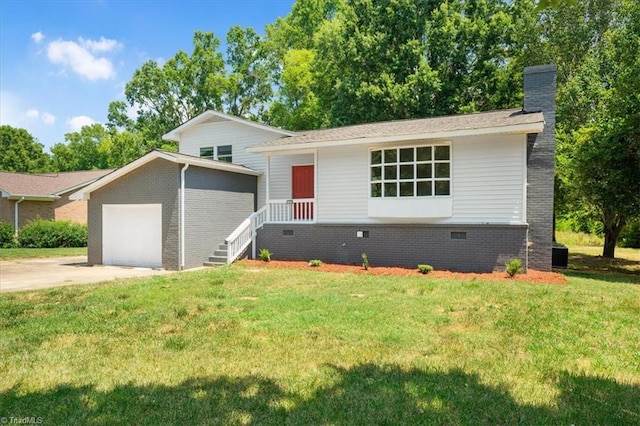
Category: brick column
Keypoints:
(540, 95)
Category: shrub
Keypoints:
(51, 234)
(631, 235)
(365, 261)
(425, 269)
(315, 262)
(6, 235)
(265, 255)
(513, 267)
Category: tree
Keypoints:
(362, 61)
(168, 95)
(248, 87)
(82, 151)
(603, 151)
(21, 152)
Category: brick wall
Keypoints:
(485, 248)
(154, 182)
(216, 203)
(539, 95)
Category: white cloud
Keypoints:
(102, 45)
(79, 58)
(37, 37)
(32, 113)
(78, 122)
(48, 118)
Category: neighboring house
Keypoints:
(25, 197)
(465, 192)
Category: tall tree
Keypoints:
(604, 155)
(249, 82)
(167, 95)
(21, 152)
(82, 150)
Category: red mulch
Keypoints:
(531, 276)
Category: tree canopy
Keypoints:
(21, 152)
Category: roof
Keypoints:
(174, 157)
(504, 121)
(215, 116)
(47, 185)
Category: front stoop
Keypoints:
(219, 257)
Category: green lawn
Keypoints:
(238, 345)
(27, 253)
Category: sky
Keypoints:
(63, 61)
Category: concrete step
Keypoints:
(222, 247)
(220, 253)
(213, 264)
(218, 259)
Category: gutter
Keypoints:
(15, 216)
(182, 231)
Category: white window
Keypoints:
(419, 171)
(224, 153)
(206, 152)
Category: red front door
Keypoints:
(302, 186)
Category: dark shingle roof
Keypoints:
(453, 123)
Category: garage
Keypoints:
(132, 235)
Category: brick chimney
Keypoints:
(540, 95)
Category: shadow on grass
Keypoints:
(365, 394)
(583, 261)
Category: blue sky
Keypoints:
(63, 61)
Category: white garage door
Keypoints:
(132, 235)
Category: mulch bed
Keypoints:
(531, 276)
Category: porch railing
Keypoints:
(296, 210)
(299, 210)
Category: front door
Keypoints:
(302, 186)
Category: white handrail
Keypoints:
(245, 234)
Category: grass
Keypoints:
(237, 345)
(585, 254)
(26, 253)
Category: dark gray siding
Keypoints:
(486, 247)
(153, 183)
(216, 203)
(539, 95)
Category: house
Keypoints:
(465, 192)
(25, 197)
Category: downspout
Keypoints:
(182, 232)
(15, 216)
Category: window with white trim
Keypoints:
(418, 171)
(206, 152)
(224, 153)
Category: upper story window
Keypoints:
(223, 153)
(206, 152)
(420, 171)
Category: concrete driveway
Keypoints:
(32, 274)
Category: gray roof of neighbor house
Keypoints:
(504, 121)
(49, 185)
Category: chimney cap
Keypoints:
(537, 69)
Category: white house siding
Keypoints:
(230, 133)
(487, 182)
(343, 184)
(280, 177)
(489, 176)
